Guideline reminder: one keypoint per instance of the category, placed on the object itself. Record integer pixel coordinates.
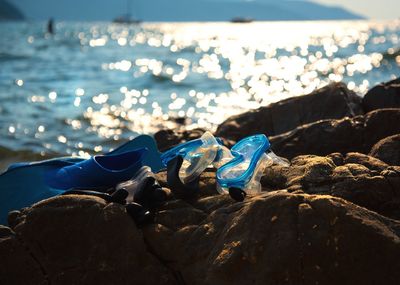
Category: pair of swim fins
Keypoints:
(24, 184)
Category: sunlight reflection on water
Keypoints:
(94, 84)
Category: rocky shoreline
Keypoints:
(331, 217)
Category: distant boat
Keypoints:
(127, 18)
(241, 20)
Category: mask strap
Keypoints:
(180, 190)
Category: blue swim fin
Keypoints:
(152, 159)
(97, 172)
(24, 184)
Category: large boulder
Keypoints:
(279, 238)
(356, 134)
(331, 102)
(384, 95)
(388, 150)
(168, 138)
(77, 239)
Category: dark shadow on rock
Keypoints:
(388, 150)
(69, 238)
(384, 95)
(283, 238)
(356, 134)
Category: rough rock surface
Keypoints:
(334, 101)
(77, 239)
(279, 237)
(356, 134)
(384, 95)
(388, 150)
(356, 177)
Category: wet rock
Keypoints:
(384, 95)
(283, 238)
(356, 134)
(331, 102)
(387, 150)
(69, 238)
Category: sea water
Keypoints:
(91, 86)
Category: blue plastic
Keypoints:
(100, 171)
(181, 149)
(24, 184)
(152, 159)
(248, 150)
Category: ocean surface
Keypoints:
(92, 86)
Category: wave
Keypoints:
(391, 55)
(8, 57)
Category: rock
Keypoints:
(69, 238)
(283, 238)
(368, 161)
(18, 265)
(278, 237)
(168, 138)
(207, 182)
(387, 150)
(361, 179)
(384, 95)
(356, 134)
(331, 102)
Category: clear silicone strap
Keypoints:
(277, 159)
